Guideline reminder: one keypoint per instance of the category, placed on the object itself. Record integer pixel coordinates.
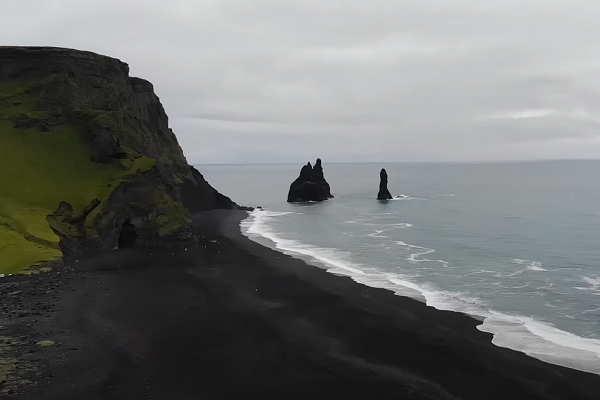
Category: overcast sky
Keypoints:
(398, 80)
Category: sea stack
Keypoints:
(310, 185)
(384, 193)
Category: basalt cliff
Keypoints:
(88, 162)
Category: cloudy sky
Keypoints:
(398, 80)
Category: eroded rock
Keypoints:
(310, 185)
(384, 193)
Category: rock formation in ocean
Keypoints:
(384, 193)
(310, 185)
(88, 162)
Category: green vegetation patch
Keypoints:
(19, 253)
(173, 215)
(17, 97)
(38, 170)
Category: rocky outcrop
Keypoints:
(91, 148)
(384, 193)
(310, 185)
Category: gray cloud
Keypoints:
(274, 81)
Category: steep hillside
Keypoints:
(87, 160)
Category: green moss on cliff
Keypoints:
(137, 165)
(40, 169)
(173, 215)
(130, 168)
(16, 98)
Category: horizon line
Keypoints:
(410, 162)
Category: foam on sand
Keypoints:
(543, 341)
(258, 226)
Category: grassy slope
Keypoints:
(38, 170)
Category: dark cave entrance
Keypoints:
(128, 236)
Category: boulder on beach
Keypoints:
(384, 193)
(310, 185)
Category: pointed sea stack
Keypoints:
(310, 185)
(384, 193)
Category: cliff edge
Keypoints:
(88, 162)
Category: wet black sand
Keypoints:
(236, 320)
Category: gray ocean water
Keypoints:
(514, 244)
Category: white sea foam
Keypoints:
(442, 195)
(531, 265)
(534, 267)
(528, 335)
(441, 299)
(258, 226)
(594, 284)
(543, 341)
(405, 197)
(378, 232)
(593, 310)
(417, 256)
(484, 271)
(361, 223)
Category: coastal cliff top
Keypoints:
(47, 60)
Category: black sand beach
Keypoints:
(236, 320)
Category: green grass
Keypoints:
(38, 170)
(19, 253)
(16, 98)
(45, 168)
(172, 214)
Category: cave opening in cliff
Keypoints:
(128, 236)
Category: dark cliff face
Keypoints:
(210, 198)
(384, 193)
(67, 103)
(310, 185)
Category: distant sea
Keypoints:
(517, 245)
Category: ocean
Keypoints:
(515, 245)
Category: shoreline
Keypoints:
(509, 331)
(475, 320)
(236, 319)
